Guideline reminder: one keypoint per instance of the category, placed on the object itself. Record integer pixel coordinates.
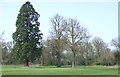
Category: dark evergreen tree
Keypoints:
(27, 38)
(117, 57)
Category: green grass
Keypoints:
(53, 70)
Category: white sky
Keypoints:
(100, 18)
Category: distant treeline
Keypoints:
(89, 53)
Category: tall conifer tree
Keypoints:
(27, 44)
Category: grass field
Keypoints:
(53, 70)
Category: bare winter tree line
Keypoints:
(69, 44)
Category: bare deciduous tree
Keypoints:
(57, 32)
(74, 35)
(99, 47)
(116, 43)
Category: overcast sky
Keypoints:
(100, 18)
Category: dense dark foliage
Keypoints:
(27, 36)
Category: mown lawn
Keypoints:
(53, 70)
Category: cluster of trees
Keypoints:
(68, 44)
(95, 52)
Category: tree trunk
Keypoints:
(73, 62)
(59, 60)
(42, 60)
(58, 53)
(86, 63)
(26, 62)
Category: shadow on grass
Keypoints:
(52, 67)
